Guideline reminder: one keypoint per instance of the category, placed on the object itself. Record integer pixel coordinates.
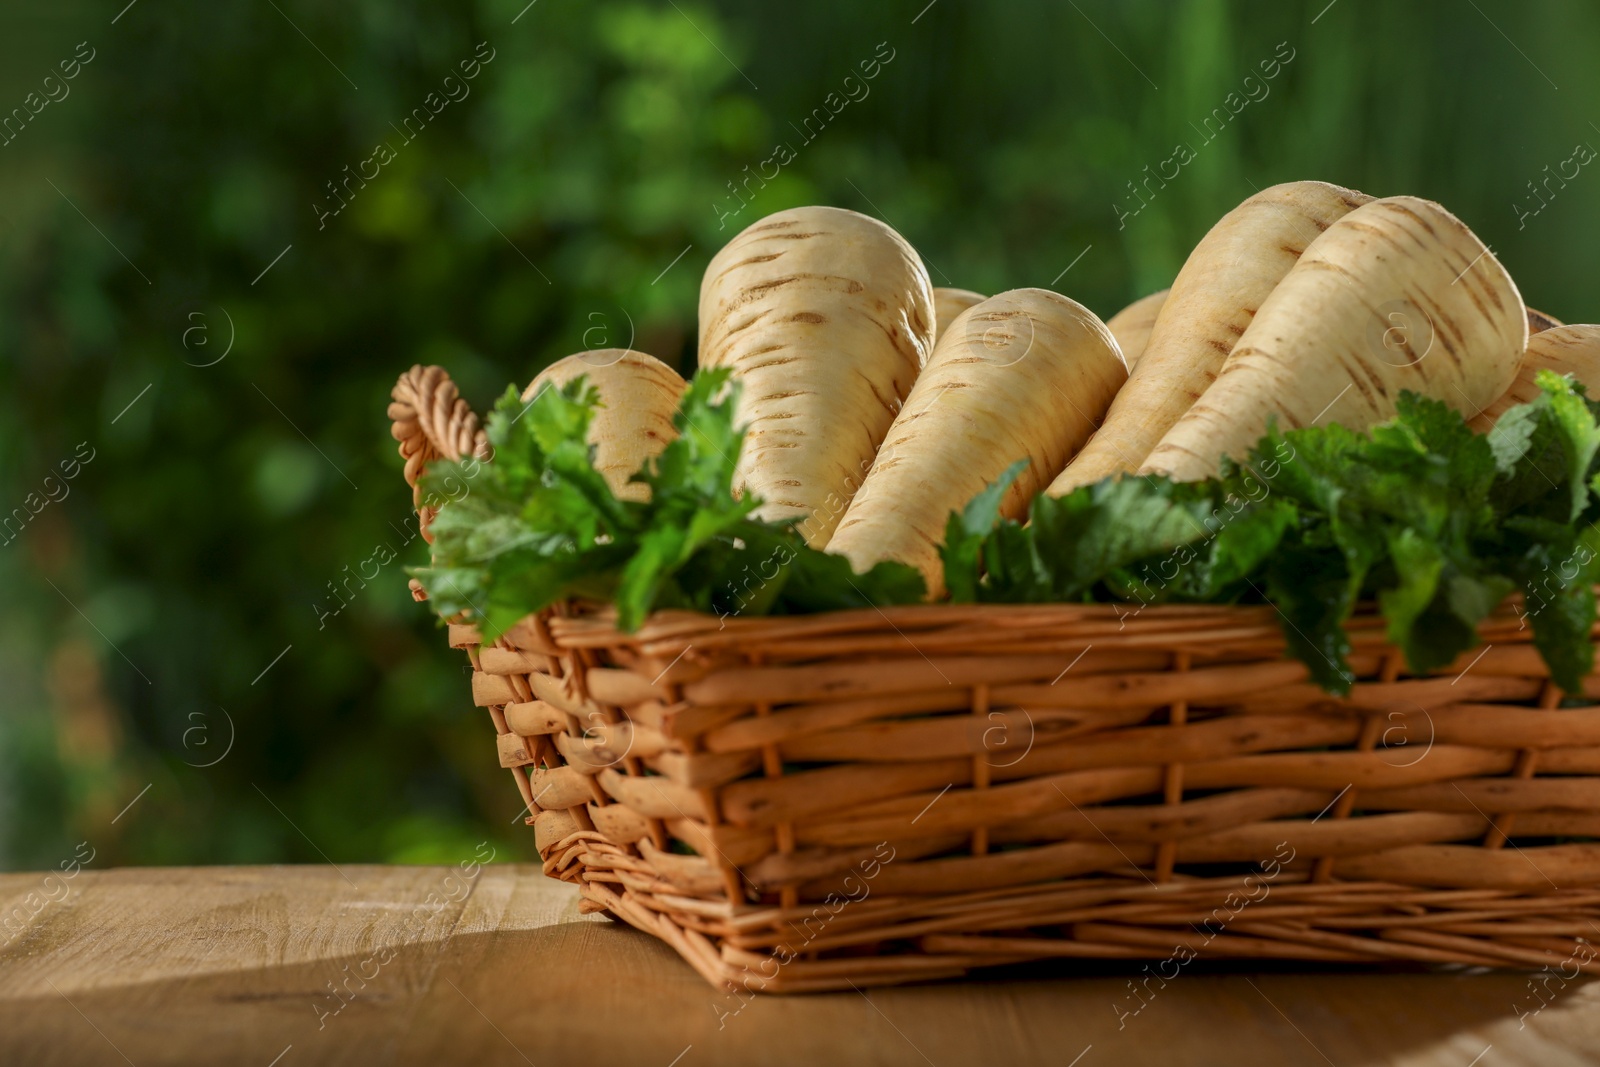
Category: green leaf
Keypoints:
(1244, 543)
(1093, 533)
(961, 553)
(1557, 582)
(1312, 592)
(1434, 610)
(1419, 563)
(1561, 628)
(1546, 450)
(821, 582)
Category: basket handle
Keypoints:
(432, 421)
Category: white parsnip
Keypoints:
(638, 396)
(1397, 295)
(826, 317)
(948, 303)
(1211, 303)
(1573, 350)
(1026, 375)
(1133, 324)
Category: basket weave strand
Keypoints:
(870, 797)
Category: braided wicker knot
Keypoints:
(432, 421)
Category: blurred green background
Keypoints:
(177, 307)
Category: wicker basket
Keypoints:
(872, 797)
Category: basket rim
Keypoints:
(586, 622)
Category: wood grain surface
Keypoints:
(238, 966)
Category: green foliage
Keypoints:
(539, 525)
(1434, 522)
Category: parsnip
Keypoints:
(1573, 350)
(1225, 279)
(638, 396)
(1023, 375)
(826, 316)
(1396, 295)
(1132, 325)
(947, 304)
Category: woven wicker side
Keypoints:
(1160, 761)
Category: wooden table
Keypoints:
(237, 965)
